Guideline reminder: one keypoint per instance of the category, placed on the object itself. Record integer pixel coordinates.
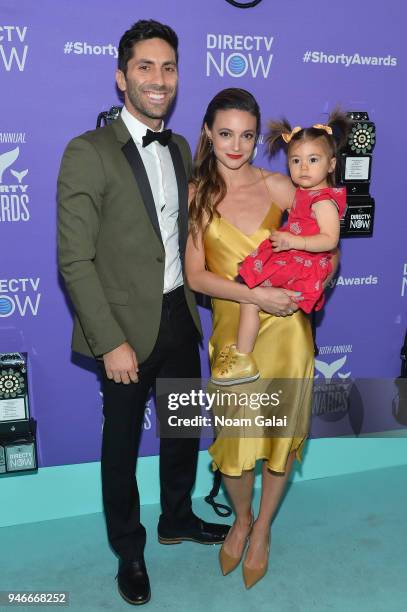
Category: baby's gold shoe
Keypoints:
(234, 368)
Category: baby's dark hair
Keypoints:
(337, 121)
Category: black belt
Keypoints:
(174, 296)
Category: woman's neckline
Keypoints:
(264, 179)
(272, 205)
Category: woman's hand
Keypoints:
(279, 302)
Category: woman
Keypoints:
(233, 207)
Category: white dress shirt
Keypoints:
(161, 175)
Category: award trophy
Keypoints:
(354, 172)
(109, 116)
(17, 430)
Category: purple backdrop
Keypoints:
(57, 62)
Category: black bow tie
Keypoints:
(162, 137)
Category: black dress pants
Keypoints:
(175, 355)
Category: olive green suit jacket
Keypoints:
(110, 251)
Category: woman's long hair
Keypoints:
(210, 187)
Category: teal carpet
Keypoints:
(338, 544)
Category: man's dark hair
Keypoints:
(144, 30)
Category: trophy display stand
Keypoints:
(18, 449)
(354, 172)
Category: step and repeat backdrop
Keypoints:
(57, 64)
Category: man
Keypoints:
(122, 194)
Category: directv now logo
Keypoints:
(19, 296)
(12, 50)
(238, 55)
(360, 220)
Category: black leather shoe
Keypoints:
(199, 531)
(133, 582)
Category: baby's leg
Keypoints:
(236, 365)
(249, 324)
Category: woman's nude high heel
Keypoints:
(226, 561)
(251, 575)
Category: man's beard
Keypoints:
(153, 111)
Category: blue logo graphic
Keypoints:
(237, 64)
(6, 306)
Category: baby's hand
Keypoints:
(280, 241)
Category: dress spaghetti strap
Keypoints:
(265, 181)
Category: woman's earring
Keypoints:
(253, 155)
(210, 145)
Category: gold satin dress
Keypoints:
(284, 349)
